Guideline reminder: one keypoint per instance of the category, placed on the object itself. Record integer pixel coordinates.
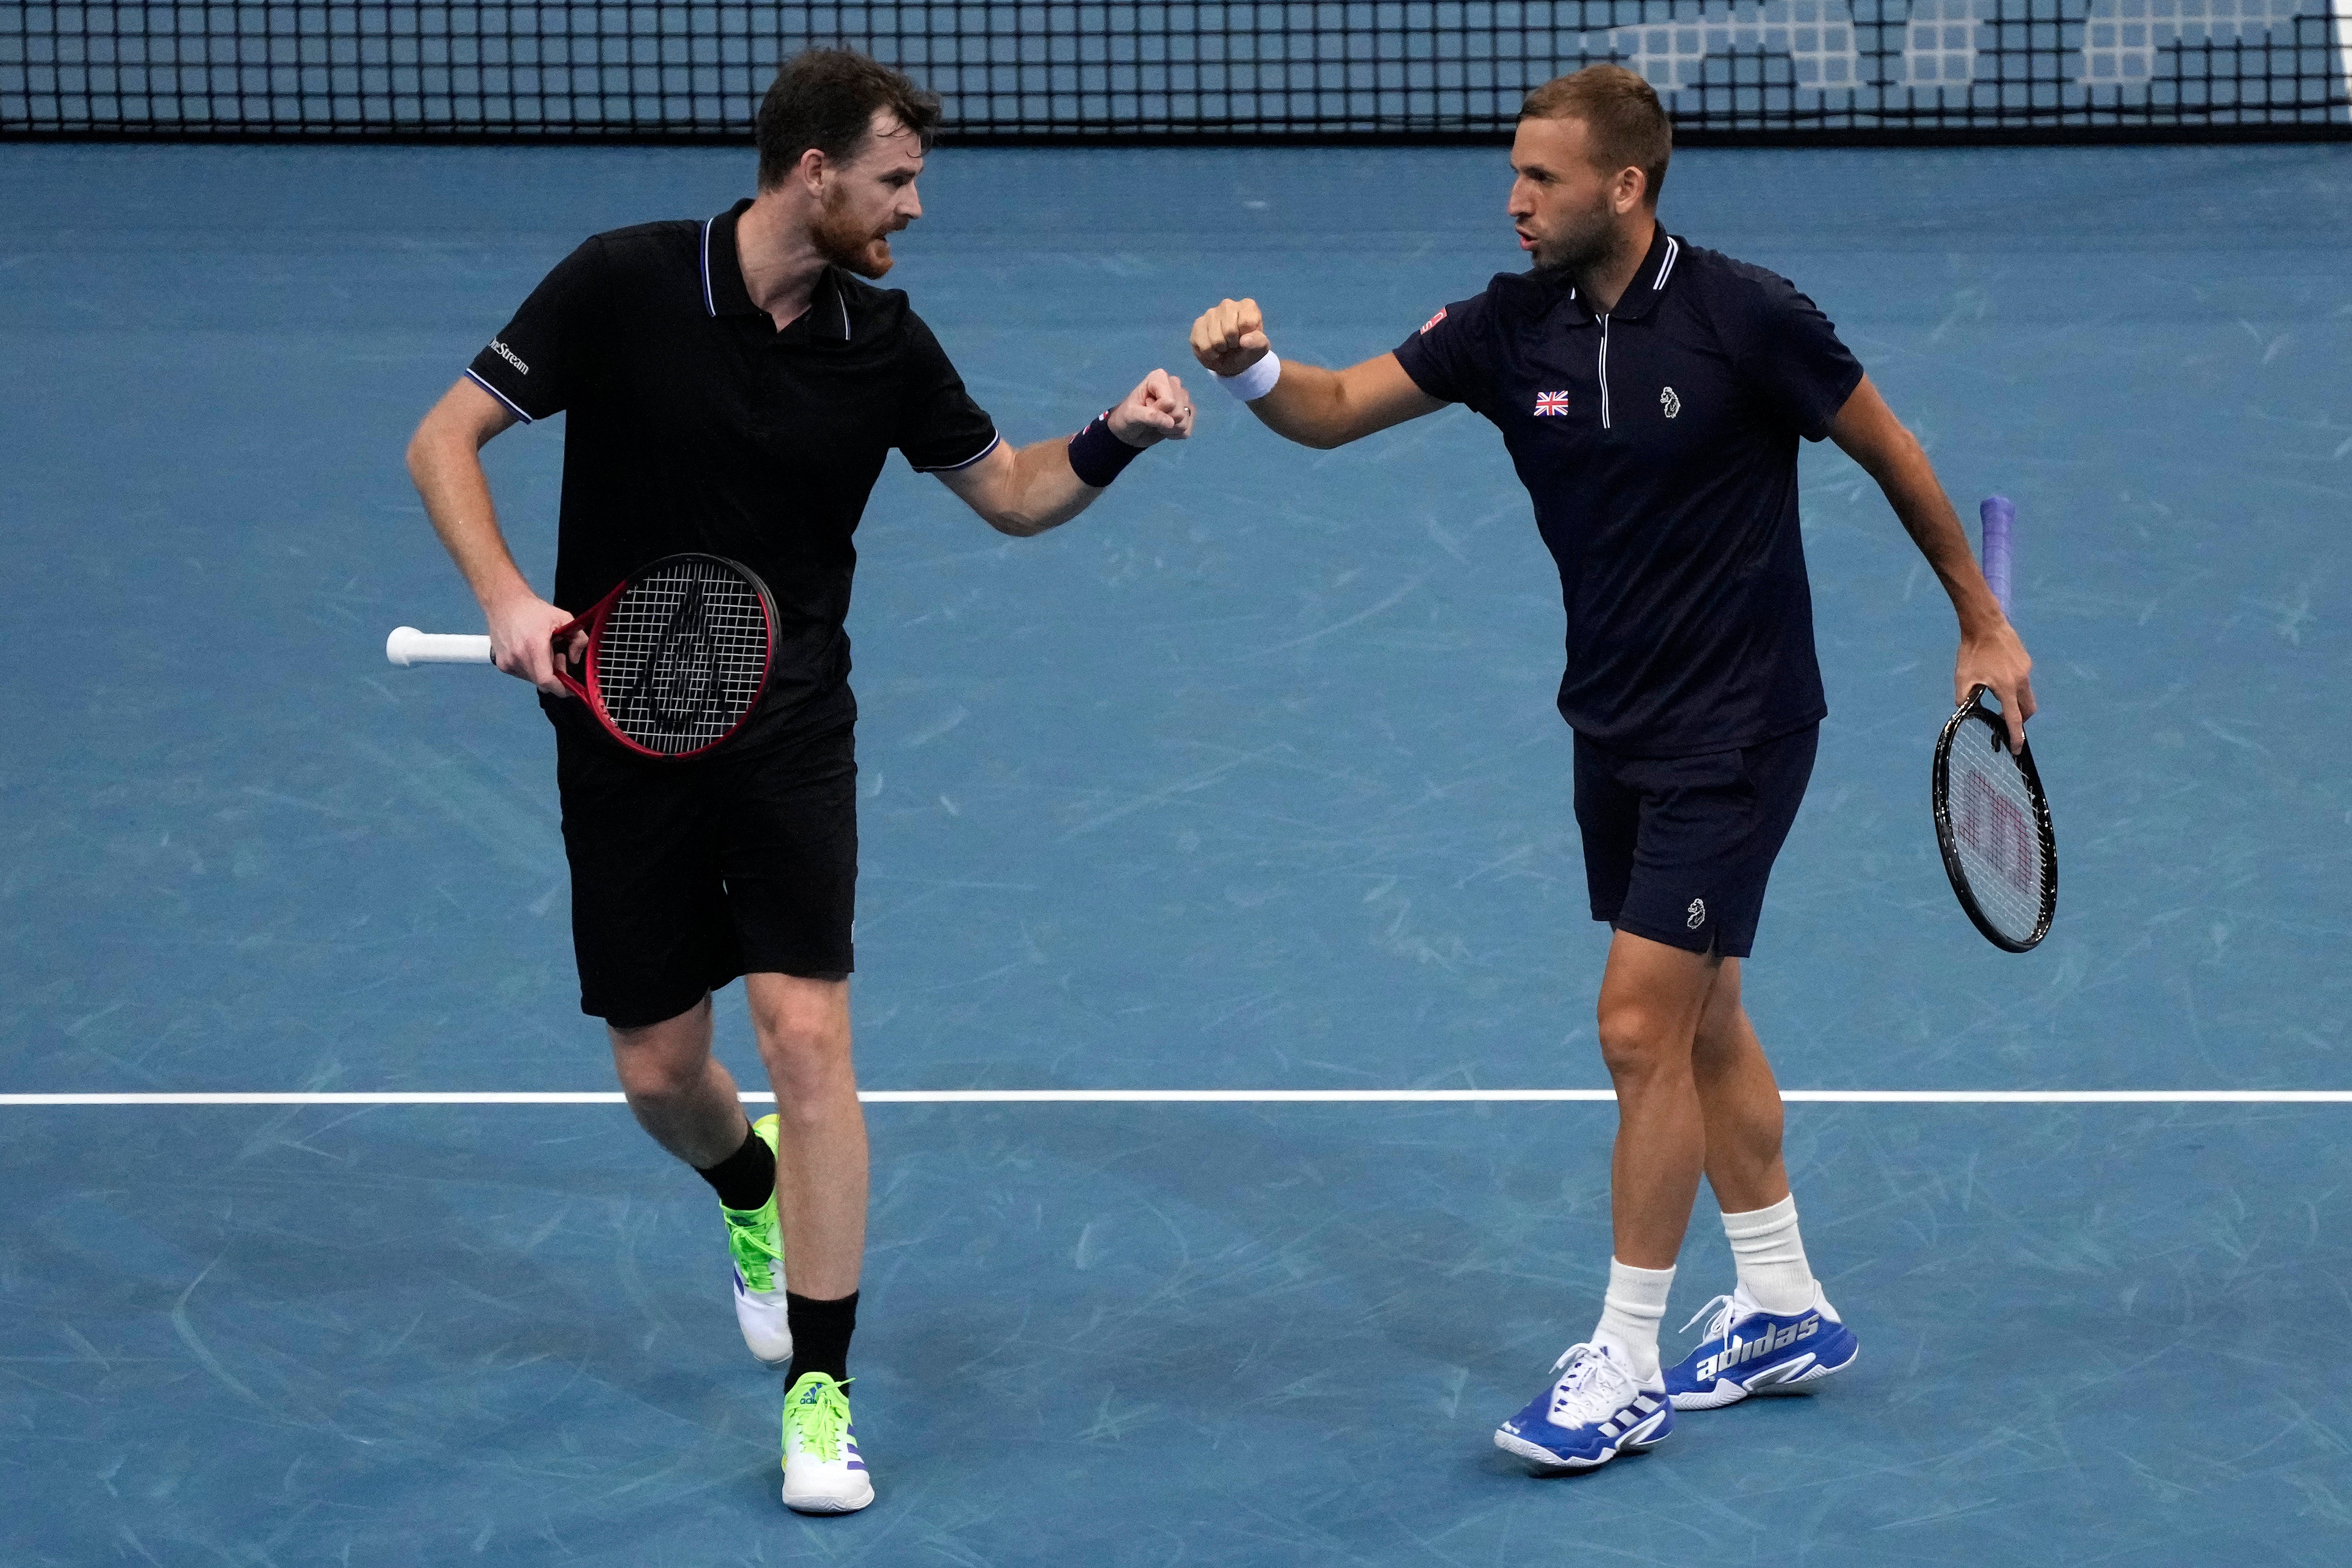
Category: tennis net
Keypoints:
(690, 70)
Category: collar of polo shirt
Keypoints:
(1650, 280)
(724, 293)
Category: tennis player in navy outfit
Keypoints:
(735, 386)
(1651, 395)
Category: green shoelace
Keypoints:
(751, 1237)
(817, 1410)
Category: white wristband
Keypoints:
(1255, 382)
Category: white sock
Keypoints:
(1630, 1312)
(1771, 1256)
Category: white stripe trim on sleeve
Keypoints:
(709, 303)
(501, 397)
(994, 440)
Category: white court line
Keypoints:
(1239, 1096)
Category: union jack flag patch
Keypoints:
(1551, 403)
(1433, 319)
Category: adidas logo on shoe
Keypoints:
(1765, 1343)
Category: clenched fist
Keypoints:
(1230, 337)
(1157, 410)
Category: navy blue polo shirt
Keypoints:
(695, 423)
(1659, 442)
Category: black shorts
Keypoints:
(1677, 849)
(686, 875)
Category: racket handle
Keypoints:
(1998, 515)
(406, 645)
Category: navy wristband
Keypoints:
(1097, 456)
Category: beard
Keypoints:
(849, 244)
(1586, 244)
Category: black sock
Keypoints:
(747, 1178)
(821, 1331)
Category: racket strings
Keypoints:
(1996, 832)
(683, 655)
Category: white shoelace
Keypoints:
(1726, 1313)
(1595, 1388)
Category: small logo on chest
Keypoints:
(1551, 403)
(1670, 402)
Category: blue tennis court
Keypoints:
(1246, 780)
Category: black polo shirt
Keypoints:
(696, 425)
(1659, 443)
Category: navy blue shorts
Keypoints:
(1678, 849)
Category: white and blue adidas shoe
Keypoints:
(1594, 1410)
(1750, 1351)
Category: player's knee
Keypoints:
(810, 1070)
(800, 1046)
(794, 1046)
(654, 1077)
(666, 1060)
(1635, 1039)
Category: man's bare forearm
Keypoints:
(1866, 430)
(448, 469)
(1991, 654)
(1024, 492)
(1927, 516)
(1046, 492)
(445, 460)
(1309, 404)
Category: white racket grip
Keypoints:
(407, 646)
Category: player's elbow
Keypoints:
(1012, 521)
(421, 452)
(439, 440)
(1901, 443)
(1317, 434)
(1882, 445)
(1335, 423)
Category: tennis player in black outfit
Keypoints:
(734, 387)
(1651, 395)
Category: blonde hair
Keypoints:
(1628, 125)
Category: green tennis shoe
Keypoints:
(823, 1471)
(757, 1244)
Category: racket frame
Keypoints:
(589, 685)
(1963, 722)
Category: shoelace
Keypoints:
(820, 1415)
(1594, 1389)
(1726, 1313)
(748, 1236)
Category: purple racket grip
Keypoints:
(1997, 515)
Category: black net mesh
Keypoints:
(1178, 73)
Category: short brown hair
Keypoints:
(1628, 125)
(825, 98)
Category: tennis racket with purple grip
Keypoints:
(1992, 820)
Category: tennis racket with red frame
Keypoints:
(1992, 821)
(676, 660)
